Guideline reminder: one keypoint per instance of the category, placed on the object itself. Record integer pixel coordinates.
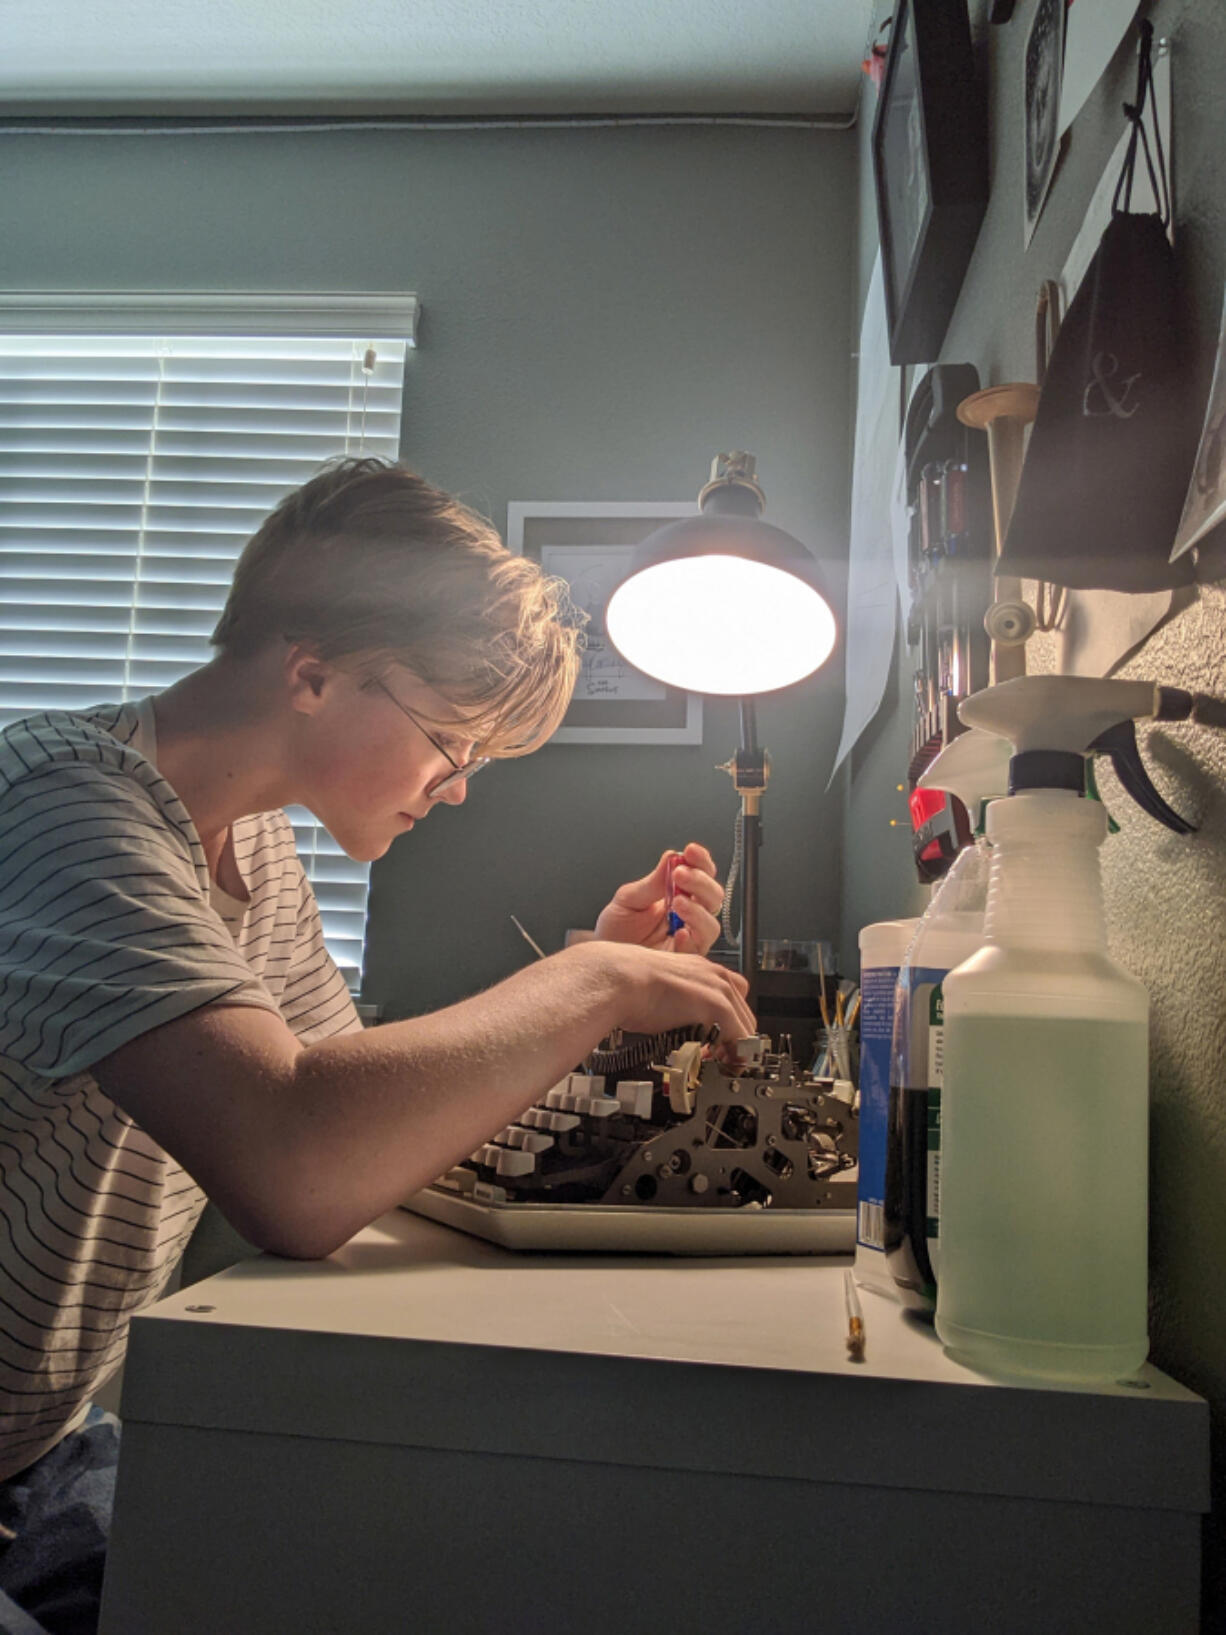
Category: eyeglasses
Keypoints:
(462, 770)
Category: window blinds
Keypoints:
(134, 467)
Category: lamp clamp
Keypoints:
(733, 486)
(750, 771)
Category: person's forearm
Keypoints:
(302, 1147)
(384, 1112)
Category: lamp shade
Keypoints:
(721, 604)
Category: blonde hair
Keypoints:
(371, 565)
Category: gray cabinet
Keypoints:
(428, 1433)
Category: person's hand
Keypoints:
(638, 912)
(653, 990)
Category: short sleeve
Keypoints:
(105, 930)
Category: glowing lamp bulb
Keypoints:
(720, 624)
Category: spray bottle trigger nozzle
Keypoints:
(1119, 743)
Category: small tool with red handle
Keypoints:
(675, 922)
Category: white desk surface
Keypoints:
(406, 1278)
(415, 1332)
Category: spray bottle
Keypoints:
(1045, 1110)
(975, 768)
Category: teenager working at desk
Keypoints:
(171, 1025)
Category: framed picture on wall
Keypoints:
(930, 169)
(589, 544)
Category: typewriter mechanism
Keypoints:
(658, 1146)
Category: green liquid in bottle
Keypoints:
(1044, 1174)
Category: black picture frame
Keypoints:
(930, 169)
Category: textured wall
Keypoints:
(1166, 896)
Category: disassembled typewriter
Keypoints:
(659, 1146)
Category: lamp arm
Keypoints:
(749, 727)
(750, 768)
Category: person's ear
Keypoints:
(307, 678)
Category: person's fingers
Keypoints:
(698, 857)
(643, 893)
(736, 987)
(748, 1021)
(699, 927)
(702, 887)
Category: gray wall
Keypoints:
(1166, 897)
(604, 310)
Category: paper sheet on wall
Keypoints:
(592, 573)
(1100, 626)
(1205, 506)
(900, 520)
(1093, 30)
(872, 593)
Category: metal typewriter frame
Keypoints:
(760, 1161)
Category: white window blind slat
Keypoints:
(133, 469)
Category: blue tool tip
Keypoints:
(675, 923)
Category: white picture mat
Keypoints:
(592, 572)
(520, 517)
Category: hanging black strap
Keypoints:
(1135, 114)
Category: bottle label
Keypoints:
(876, 1022)
(936, 1037)
(919, 1028)
(936, 1078)
(933, 1213)
(918, 1065)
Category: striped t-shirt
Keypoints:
(109, 926)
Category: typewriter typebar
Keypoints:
(658, 1145)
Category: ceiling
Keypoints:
(432, 57)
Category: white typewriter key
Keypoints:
(563, 1121)
(587, 1084)
(511, 1162)
(635, 1097)
(600, 1107)
(530, 1140)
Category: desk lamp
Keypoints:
(723, 603)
